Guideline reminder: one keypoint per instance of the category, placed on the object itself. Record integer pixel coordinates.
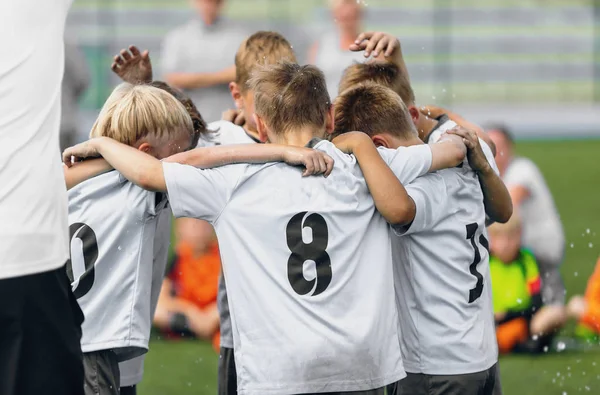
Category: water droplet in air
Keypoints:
(534, 337)
(572, 245)
(519, 301)
(576, 274)
(587, 231)
(444, 90)
(560, 346)
(587, 388)
(545, 348)
(119, 248)
(590, 245)
(433, 97)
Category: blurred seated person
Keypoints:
(523, 323)
(187, 303)
(586, 309)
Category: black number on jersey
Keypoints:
(313, 251)
(90, 254)
(476, 292)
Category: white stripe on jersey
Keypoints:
(443, 287)
(113, 226)
(308, 267)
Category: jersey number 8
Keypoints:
(313, 251)
(85, 274)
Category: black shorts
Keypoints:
(486, 382)
(40, 336)
(227, 384)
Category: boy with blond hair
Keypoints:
(295, 287)
(442, 279)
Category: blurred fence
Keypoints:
(533, 63)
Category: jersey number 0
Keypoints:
(90, 253)
(314, 251)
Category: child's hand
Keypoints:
(80, 152)
(132, 66)
(376, 43)
(315, 161)
(347, 142)
(236, 117)
(475, 155)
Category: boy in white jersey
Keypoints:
(441, 259)
(296, 271)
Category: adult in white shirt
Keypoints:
(542, 229)
(40, 321)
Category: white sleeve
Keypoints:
(487, 151)
(408, 163)
(198, 193)
(431, 200)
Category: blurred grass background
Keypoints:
(572, 172)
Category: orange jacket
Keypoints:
(591, 317)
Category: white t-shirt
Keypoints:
(114, 225)
(226, 133)
(132, 371)
(542, 230)
(308, 268)
(33, 200)
(443, 287)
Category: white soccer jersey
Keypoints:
(445, 124)
(132, 371)
(443, 287)
(308, 268)
(113, 226)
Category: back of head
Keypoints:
(372, 109)
(502, 130)
(287, 95)
(200, 128)
(382, 73)
(261, 48)
(136, 112)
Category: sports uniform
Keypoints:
(308, 271)
(114, 225)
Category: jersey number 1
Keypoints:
(90, 253)
(476, 292)
(313, 251)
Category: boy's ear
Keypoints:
(380, 141)
(260, 128)
(236, 94)
(145, 147)
(330, 120)
(415, 114)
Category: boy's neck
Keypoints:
(409, 142)
(427, 127)
(298, 137)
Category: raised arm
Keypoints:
(382, 46)
(83, 171)
(133, 66)
(314, 161)
(496, 198)
(201, 80)
(389, 195)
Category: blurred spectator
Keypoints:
(75, 81)
(198, 57)
(330, 53)
(586, 309)
(522, 322)
(542, 229)
(187, 302)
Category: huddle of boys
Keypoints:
(376, 275)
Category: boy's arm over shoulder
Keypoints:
(201, 194)
(430, 199)
(408, 163)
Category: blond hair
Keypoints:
(287, 95)
(372, 109)
(134, 112)
(261, 48)
(382, 73)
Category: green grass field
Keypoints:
(572, 171)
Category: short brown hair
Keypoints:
(200, 128)
(261, 48)
(383, 73)
(372, 109)
(288, 95)
(133, 112)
